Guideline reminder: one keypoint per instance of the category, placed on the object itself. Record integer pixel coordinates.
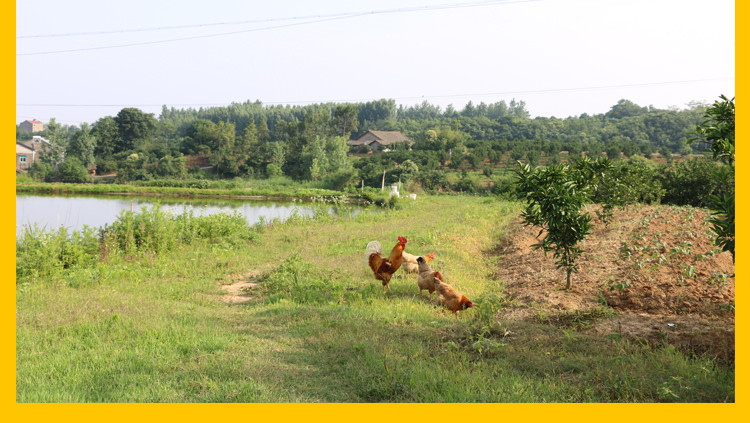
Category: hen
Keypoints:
(411, 265)
(451, 299)
(426, 274)
(382, 267)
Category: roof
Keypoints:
(23, 147)
(382, 137)
(37, 142)
(32, 121)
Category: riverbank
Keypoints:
(237, 192)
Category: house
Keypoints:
(25, 155)
(27, 152)
(31, 126)
(380, 140)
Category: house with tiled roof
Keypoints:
(27, 152)
(31, 126)
(380, 140)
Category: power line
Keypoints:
(253, 21)
(316, 19)
(500, 93)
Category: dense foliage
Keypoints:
(470, 150)
(717, 130)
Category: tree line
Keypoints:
(308, 143)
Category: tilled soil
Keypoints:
(655, 267)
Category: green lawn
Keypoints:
(151, 328)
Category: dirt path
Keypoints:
(240, 289)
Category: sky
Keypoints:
(80, 60)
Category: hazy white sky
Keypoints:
(562, 57)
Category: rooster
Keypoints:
(451, 299)
(426, 274)
(382, 267)
(411, 265)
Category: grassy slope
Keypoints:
(151, 329)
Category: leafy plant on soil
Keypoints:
(554, 204)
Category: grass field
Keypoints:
(150, 326)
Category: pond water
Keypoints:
(75, 211)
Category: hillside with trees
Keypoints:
(468, 150)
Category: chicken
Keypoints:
(426, 274)
(382, 267)
(451, 299)
(410, 264)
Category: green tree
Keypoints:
(717, 129)
(171, 167)
(554, 202)
(625, 108)
(107, 137)
(263, 133)
(344, 120)
(82, 146)
(58, 143)
(135, 129)
(278, 154)
(73, 171)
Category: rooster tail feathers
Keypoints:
(372, 247)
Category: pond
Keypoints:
(74, 211)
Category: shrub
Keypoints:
(693, 182)
(154, 230)
(73, 171)
(42, 171)
(41, 253)
(554, 204)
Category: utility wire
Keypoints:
(253, 21)
(317, 19)
(551, 90)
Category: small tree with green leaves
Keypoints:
(554, 201)
(718, 131)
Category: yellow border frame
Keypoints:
(345, 412)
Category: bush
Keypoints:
(154, 230)
(105, 166)
(433, 181)
(341, 180)
(42, 171)
(41, 253)
(693, 182)
(73, 171)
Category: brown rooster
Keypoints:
(426, 274)
(451, 299)
(411, 265)
(382, 267)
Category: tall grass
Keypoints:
(150, 327)
(44, 253)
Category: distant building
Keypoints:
(380, 140)
(31, 126)
(25, 155)
(28, 151)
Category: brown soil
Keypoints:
(240, 289)
(655, 266)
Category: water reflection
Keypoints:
(75, 211)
